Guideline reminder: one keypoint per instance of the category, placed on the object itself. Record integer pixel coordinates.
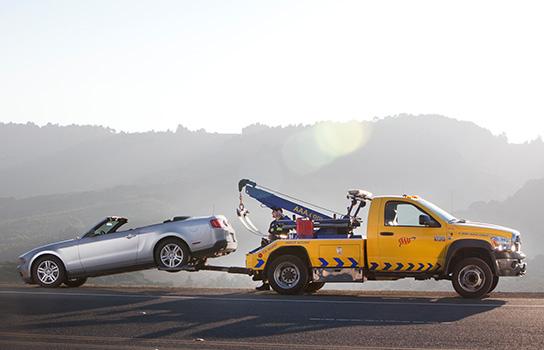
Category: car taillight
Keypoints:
(217, 223)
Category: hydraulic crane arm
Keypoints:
(273, 200)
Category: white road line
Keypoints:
(275, 300)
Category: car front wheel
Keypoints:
(48, 272)
(472, 278)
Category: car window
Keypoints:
(402, 214)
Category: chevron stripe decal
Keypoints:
(353, 262)
(260, 263)
(404, 267)
(324, 263)
(339, 262)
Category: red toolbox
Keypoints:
(305, 228)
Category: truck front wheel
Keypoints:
(472, 278)
(494, 284)
(288, 274)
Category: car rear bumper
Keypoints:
(222, 247)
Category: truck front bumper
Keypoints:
(510, 263)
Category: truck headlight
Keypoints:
(502, 243)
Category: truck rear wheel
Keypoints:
(288, 274)
(313, 287)
(472, 278)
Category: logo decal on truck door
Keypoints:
(406, 240)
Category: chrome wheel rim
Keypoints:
(171, 255)
(286, 275)
(471, 278)
(48, 272)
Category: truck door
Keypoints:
(409, 239)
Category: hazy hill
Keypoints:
(55, 159)
(25, 143)
(522, 211)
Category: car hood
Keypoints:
(50, 246)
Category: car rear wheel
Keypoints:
(288, 274)
(171, 253)
(75, 282)
(472, 278)
(48, 271)
(313, 287)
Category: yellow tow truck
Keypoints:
(406, 237)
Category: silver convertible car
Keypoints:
(105, 249)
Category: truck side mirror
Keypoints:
(425, 220)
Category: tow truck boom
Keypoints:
(272, 200)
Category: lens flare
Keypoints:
(321, 144)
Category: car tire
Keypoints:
(288, 274)
(48, 271)
(171, 254)
(472, 278)
(313, 287)
(75, 282)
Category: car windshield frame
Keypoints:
(441, 213)
(119, 222)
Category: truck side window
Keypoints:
(402, 214)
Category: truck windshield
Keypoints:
(444, 215)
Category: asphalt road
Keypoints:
(135, 318)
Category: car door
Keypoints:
(406, 245)
(100, 252)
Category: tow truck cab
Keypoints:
(406, 236)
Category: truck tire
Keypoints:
(472, 278)
(75, 282)
(171, 253)
(313, 287)
(494, 284)
(48, 271)
(288, 274)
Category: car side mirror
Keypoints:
(425, 220)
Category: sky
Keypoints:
(222, 65)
